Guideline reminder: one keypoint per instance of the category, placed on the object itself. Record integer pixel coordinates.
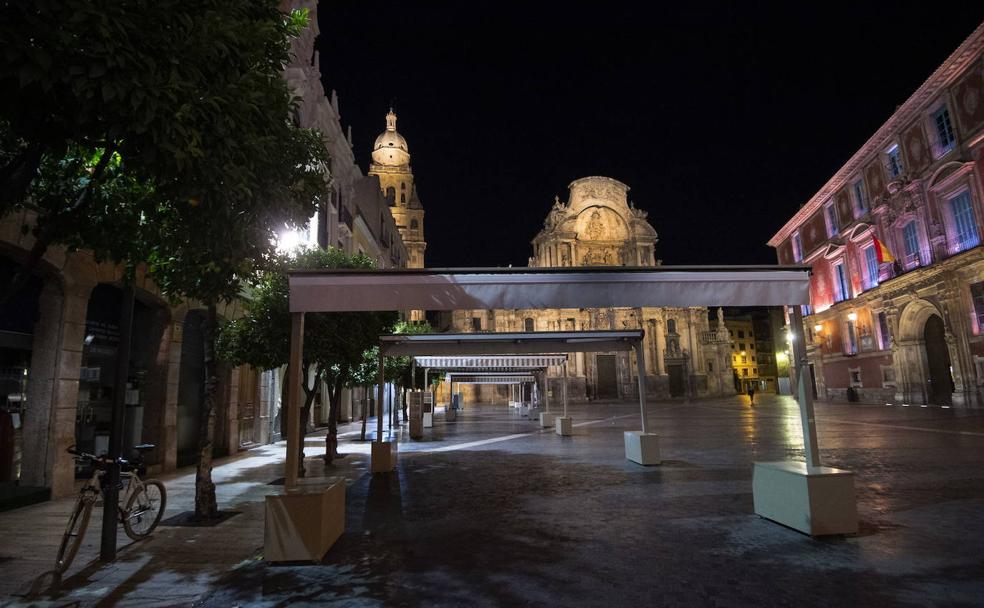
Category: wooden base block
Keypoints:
(818, 501)
(383, 456)
(303, 526)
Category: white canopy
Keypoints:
(496, 363)
(512, 343)
(579, 287)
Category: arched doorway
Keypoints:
(939, 383)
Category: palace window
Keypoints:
(870, 267)
(797, 247)
(965, 227)
(841, 292)
(894, 161)
(744, 372)
(884, 337)
(945, 138)
(741, 334)
(413, 224)
(851, 347)
(859, 200)
(741, 346)
(476, 324)
(977, 296)
(744, 359)
(910, 240)
(528, 324)
(833, 222)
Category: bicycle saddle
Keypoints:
(144, 447)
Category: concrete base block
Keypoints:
(817, 501)
(383, 456)
(563, 425)
(642, 448)
(303, 526)
(535, 413)
(428, 420)
(547, 419)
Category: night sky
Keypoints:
(722, 118)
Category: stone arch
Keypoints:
(913, 319)
(601, 223)
(910, 357)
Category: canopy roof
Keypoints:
(468, 378)
(538, 288)
(491, 363)
(508, 343)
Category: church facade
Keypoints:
(686, 355)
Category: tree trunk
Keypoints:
(205, 503)
(334, 414)
(365, 406)
(18, 174)
(309, 395)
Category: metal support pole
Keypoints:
(565, 389)
(641, 373)
(804, 380)
(293, 381)
(107, 545)
(546, 392)
(379, 393)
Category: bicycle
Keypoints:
(140, 507)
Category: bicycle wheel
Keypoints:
(73, 533)
(144, 509)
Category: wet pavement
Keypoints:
(493, 511)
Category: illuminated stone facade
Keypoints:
(911, 330)
(686, 354)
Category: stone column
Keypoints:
(36, 461)
(169, 430)
(68, 361)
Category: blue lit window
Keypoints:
(832, 220)
(944, 130)
(963, 221)
(858, 187)
(871, 266)
(911, 240)
(797, 248)
(840, 283)
(894, 161)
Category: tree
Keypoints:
(333, 342)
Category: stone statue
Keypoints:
(596, 228)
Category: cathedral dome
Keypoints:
(390, 148)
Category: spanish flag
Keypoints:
(882, 252)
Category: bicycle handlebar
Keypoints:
(99, 459)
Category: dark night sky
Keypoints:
(722, 118)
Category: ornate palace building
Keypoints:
(912, 329)
(598, 226)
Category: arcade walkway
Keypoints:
(493, 512)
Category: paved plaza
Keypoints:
(493, 511)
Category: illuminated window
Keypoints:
(744, 359)
(977, 296)
(885, 338)
(797, 248)
(963, 221)
(833, 222)
(910, 241)
(870, 266)
(944, 131)
(894, 161)
(859, 200)
(841, 292)
(744, 372)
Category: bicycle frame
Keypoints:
(130, 481)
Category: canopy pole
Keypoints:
(565, 389)
(413, 373)
(546, 392)
(804, 380)
(380, 394)
(641, 373)
(293, 381)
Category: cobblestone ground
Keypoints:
(491, 511)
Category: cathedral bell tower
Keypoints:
(391, 164)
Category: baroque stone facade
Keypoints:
(909, 329)
(598, 226)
